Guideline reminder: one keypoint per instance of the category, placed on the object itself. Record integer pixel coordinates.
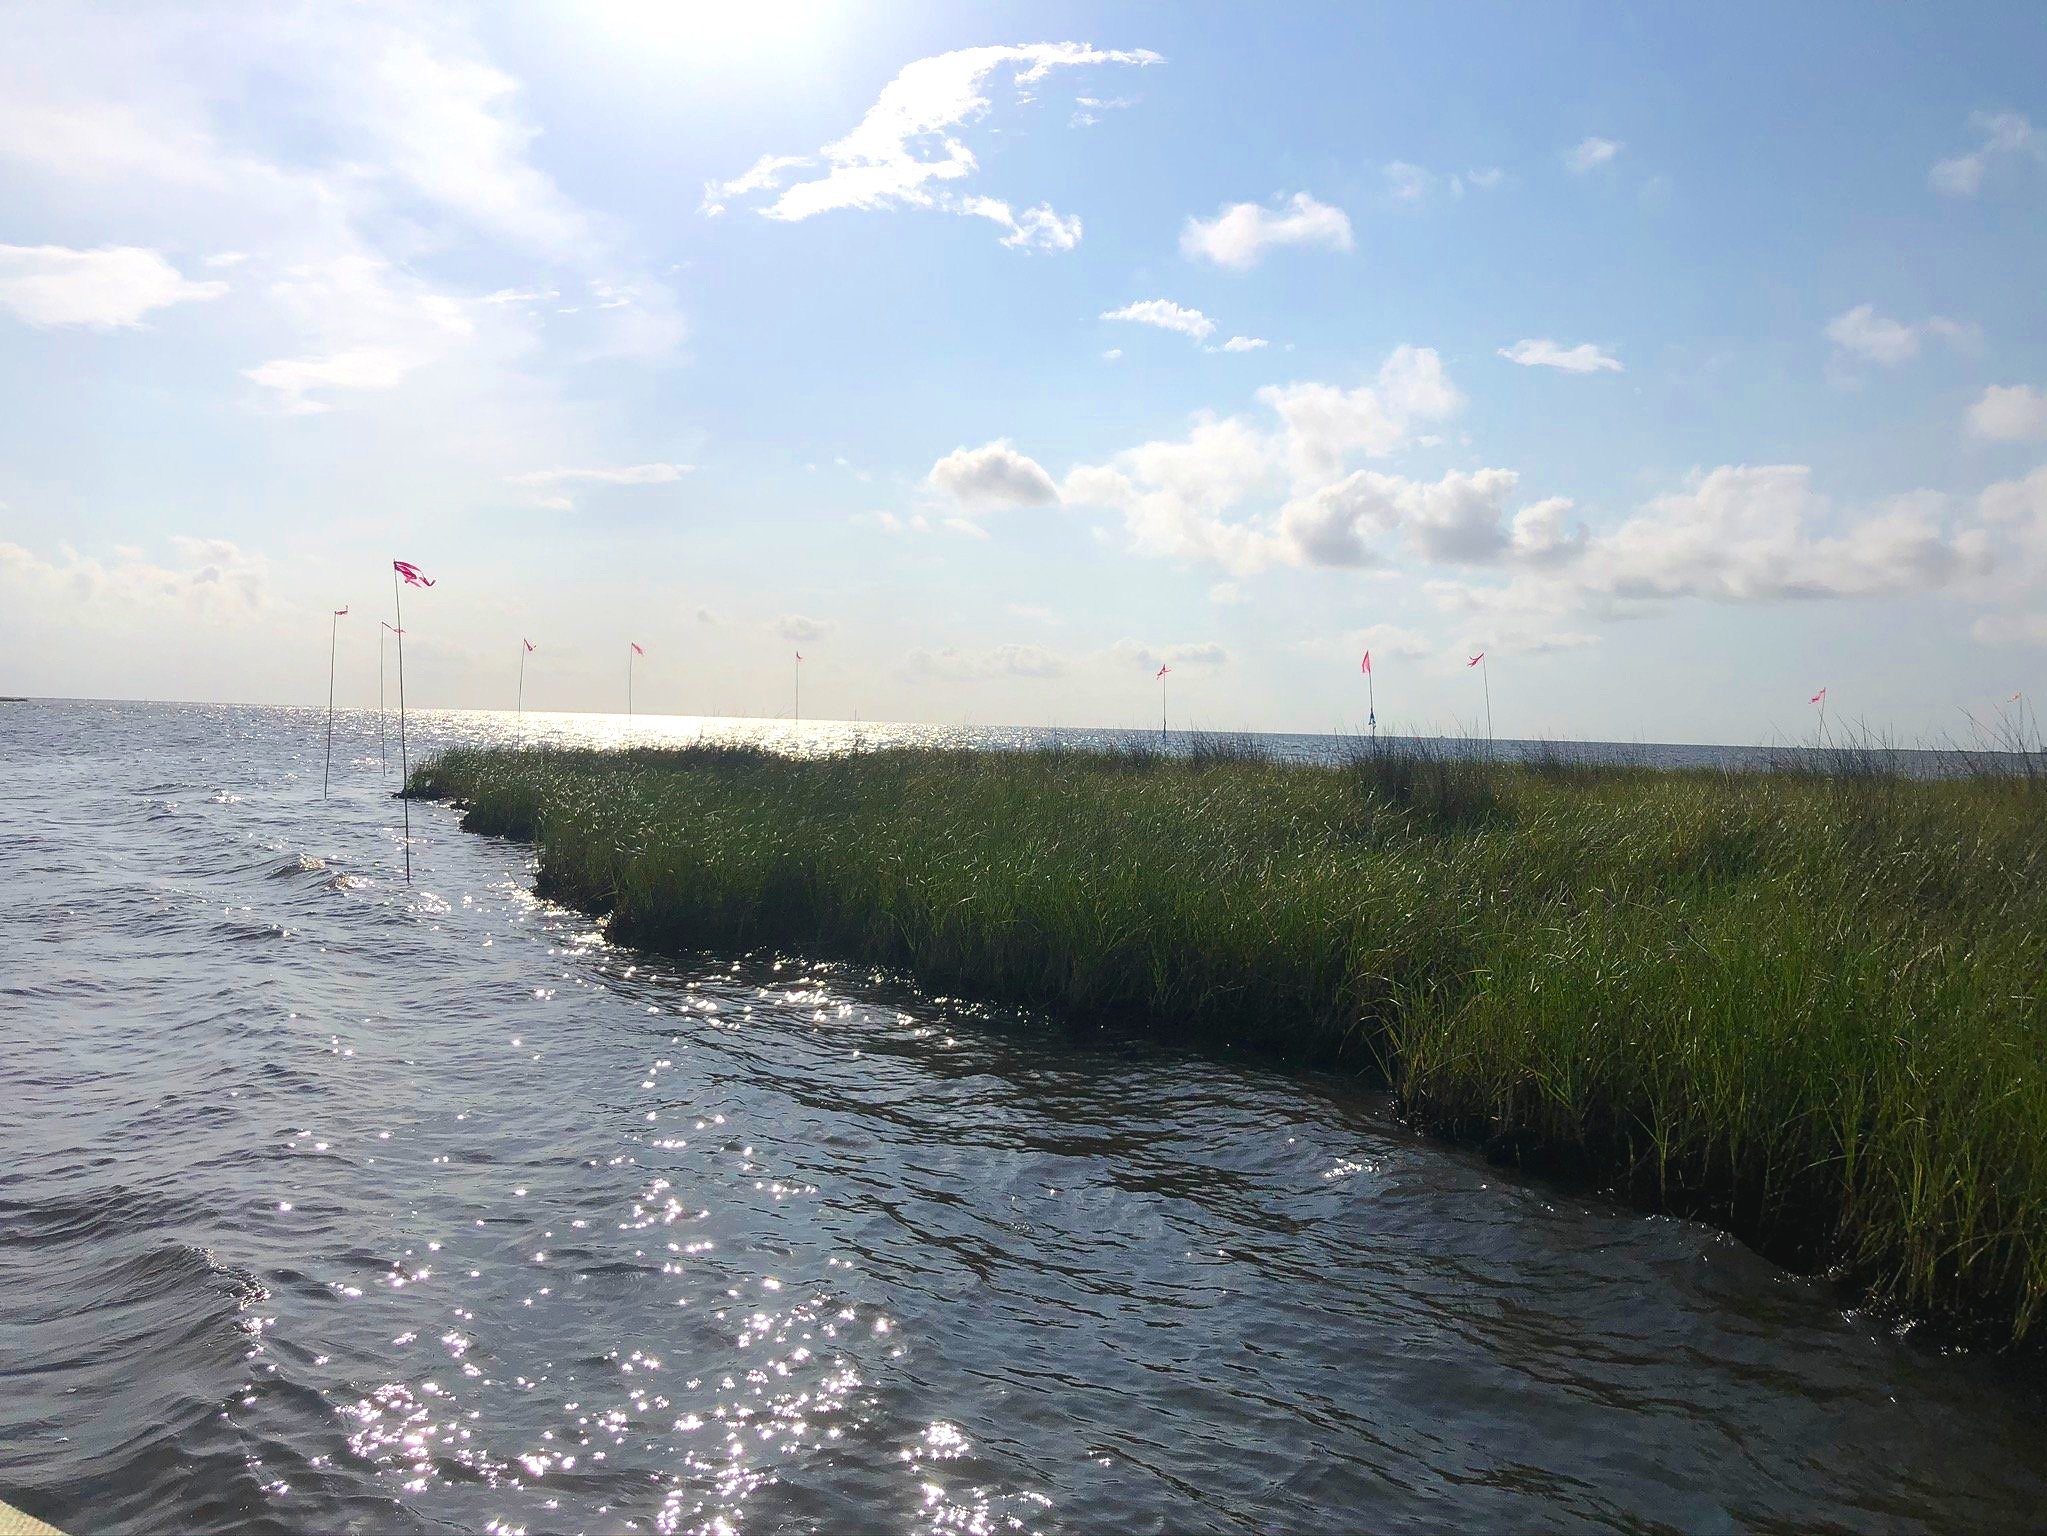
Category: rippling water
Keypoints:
(332, 1204)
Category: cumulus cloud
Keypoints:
(1242, 344)
(1862, 335)
(991, 476)
(906, 151)
(1166, 316)
(52, 285)
(2002, 136)
(1541, 352)
(1743, 533)
(1590, 153)
(2009, 413)
(206, 579)
(1203, 655)
(1408, 183)
(1239, 236)
(795, 626)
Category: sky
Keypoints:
(1685, 361)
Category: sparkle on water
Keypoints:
(336, 1203)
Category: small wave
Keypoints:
(302, 864)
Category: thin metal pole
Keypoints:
(1372, 708)
(1162, 709)
(1485, 676)
(520, 708)
(797, 717)
(404, 759)
(333, 632)
(383, 752)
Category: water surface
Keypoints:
(329, 1203)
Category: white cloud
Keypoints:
(1211, 495)
(764, 175)
(1590, 153)
(2009, 413)
(795, 626)
(1541, 352)
(209, 579)
(1111, 354)
(1863, 335)
(1239, 236)
(2004, 135)
(358, 368)
(1227, 594)
(906, 153)
(1204, 655)
(1386, 642)
(993, 475)
(1744, 533)
(628, 474)
(1166, 316)
(1486, 177)
(1242, 344)
(48, 285)
(1007, 660)
(1407, 183)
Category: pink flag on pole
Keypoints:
(411, 573)
(340, 613)
(392, 627)
(1476, 659)
(1162, 671)
(1366, 668)
(1818, 698)
(633, 643)
(527, 643)
(799, 655)
(2012, 700)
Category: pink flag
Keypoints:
(1818, 698)
(527, 643)
(1367, 667)
(392, 627)
(1162, 671)
(2012, 700)
(410, 572)
(340, 613)
(1476, 659)
(799, 655)
(633, 643)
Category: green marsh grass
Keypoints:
(1809, 1006)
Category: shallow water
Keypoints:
(329, 1203)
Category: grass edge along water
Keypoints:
(1809, 1005)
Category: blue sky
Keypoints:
(1684, 361)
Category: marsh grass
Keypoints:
(1811, 1006)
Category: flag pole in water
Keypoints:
(1372, 696)
(1485, 676)
(1820, 699)
(406, 571)
(383, 753)
(1161, 675)
(525, 647)
(333, 630)
(797, 716)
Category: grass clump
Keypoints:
(1812, 1007)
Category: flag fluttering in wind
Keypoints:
(1818, 698)
(799, 655)
(634, 644)
(342, 613)
(1366, 666)
(1162, 671)
(411, 573)
(1372, 695)
(1476, 659)
(528, 644)
(2012, 700)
